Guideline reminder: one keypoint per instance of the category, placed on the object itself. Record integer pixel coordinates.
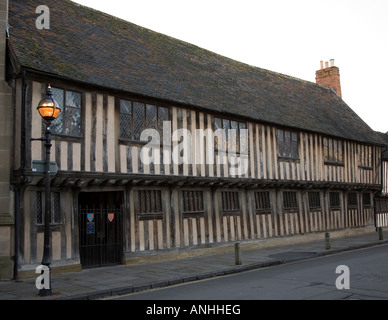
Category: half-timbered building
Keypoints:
(381, 199)
(164, 148)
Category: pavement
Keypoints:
(105, 282)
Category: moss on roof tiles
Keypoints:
(87, 45)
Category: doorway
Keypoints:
(100, 227)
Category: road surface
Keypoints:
(360, 274)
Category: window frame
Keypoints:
(131, 137)
(158, 202)
(366, 204)
(381, 206)
(230, 198)
(262, 201)
(62, 115)
(194, 198)
(55, 215)
(288, 202)
(333, 197)
(365, 157)
(241, 125)
(352, 196)
(314, 200)
(293, 153)
(333, 151)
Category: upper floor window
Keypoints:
(333, 151)
(288, 144)
(69, 120)
(365, 156)
(230, 136)
(136, 117)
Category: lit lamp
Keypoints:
(49, 109)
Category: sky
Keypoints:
(289, 37)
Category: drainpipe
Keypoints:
(374, 207)
(23, 124)
(17, 213)
(18, 188)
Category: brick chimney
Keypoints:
(329, 76)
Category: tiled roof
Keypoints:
(93, 47)
(383, 138)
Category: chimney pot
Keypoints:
(329, 77)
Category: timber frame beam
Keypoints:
(88, 179)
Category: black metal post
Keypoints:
(46, 261)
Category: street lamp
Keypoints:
(49, 109)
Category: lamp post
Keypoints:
(49, 109)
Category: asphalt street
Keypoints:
(315, 278)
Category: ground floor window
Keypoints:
(55, 216)
(290, 200)
(382, 205)
(314, 200)
(366, 199)
(352, 199)
(149, 204)
(192, 201)
(230, 201)
(334, 199)
(262, 201)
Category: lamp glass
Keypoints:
(48, 109)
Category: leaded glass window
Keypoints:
(288, 144)
(69, 120)
(136, 117)
(333, 151)
(230, 135)
(55, 211)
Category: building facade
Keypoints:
(163, 148)
(6, 120)
(381, 207)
